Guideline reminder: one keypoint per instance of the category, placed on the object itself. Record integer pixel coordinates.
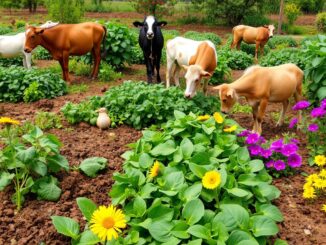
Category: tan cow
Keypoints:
(64, 40)
(198, 58)
(260, 85)
(252, 35)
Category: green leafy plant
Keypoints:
(13, 61)
(198, 36)
(292, 12)
(139, 105)
(222, 72)
(321, 22)
(236, 59)
(255, 18)
(41, 53)
(91, 166)
(47, 120)
(5, 29)
(192, 183)
(28, 162)
(79, 67)
(77, 88)
(38, 84)
(107, 73)
(286, 41)
(315, 70)
(65, 11)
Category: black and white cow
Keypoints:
(151, 41)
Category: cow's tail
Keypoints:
(103, 55)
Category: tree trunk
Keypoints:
(280, 17)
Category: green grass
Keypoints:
(111, 6)
(77, 88)
(241, 108)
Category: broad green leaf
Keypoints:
(179, 114)
(187, 148)
(56, 162)
(199, 231)
(173, 181)
(192, 192)
(145, 160)
(237, 236)
(263, 226)
(164, 149)
(26, 155)
(271, 211)
(280, 242)
(200, 170)
(86, 206)
(46, 188)
(256, 165)
(177, 156)
(180, 229)
(238, 192)
(66, 226)
(195, 242)
(160, 230)
(91, 166)
(88, 238)
(39, 167)
(232, 216)
(139, 206)
(147, 190)
(161, 212)
(193, 211)
(5, 179)
(243, 155)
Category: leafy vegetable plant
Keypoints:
(91, 166)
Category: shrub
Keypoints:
(283, 56)
(284, 41)
(28, 162)
(316, 68)
(107, 73)
(156, 7)
(321, 22)
(13, 61)
(164, 187)
(236, 60)
(222, 72)
(292, 12)
(42, 54)
(5, 29)
(18, 84)
(255, 19)
(312, 6)
(47, 120)
(79, 68)
(198, 36)
(65, 11)
(139, 105)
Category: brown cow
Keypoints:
(252, 35)
(260, 85)
(64, 40)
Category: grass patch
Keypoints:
(241, 108)
(77, 88)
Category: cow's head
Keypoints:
(271, 29)
(193, 76)
(33, 38)
(228, 97)
(150, 24)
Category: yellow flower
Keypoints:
(320, 160)
(211, 179)
(322, 173)
(153, 172)
(230, 129)
(309, 193)
(106, 222)
(203, 118)
(323, 183)
(8, 120)
(324, 208)
(311, 178)
(308, 185)
(318, 183)
(218, 117)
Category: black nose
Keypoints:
(26, 50)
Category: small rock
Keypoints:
(104, 89)
(11, 227)
(307, 232)
(9, 212)
(13, 241)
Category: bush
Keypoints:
(255, 19)
(65, 11)
(236, 59)
(156, 8)
(5, 30)
(321, 22)
(139, 105)
(107, 73)
(248, 48)
(284, 41)
(312, 6)
(292, 12)
(222, 73)
(18, 84)
(79, 68)
(13, 61)
(42, 54)
(283, 56)
(198, 36)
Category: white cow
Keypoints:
(13, 45)
(197, 57)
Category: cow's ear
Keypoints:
(232, 94)
(185, 67)
(205, 74)
(39, 32)
(162, 23)
(138, 24)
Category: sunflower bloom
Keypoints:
(153, 172)
(8, 121)
(211, 179)
(218, 117)
(320, 160)
(322, 173)
(309, 193)
(107, 222)
(203, 118)
(324, 208)
(230, 129)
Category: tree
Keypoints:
(65, 11)
(154, 7)
(280, 17)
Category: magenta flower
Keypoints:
(255, 150)
(323, 104)
(313, 127)
(294, 160)
(252, 139)
(277, 145)
(295, 141)
(244, 133)
(261, 140)
(270, 164)
(301, 105)
(318, 112)
(293, 122)
(279, 165)
(266, 153)
(288, 149)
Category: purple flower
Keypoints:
(323, 104)
(293, 122)
(318, 112)
(295, 141)
(266, 153)
(277, 145)
(288, 149)
(313, 127)
(279, 165)
(255, 150)
(270, 164)
(294, 160)
(244, 133)
(261, 140)
(301, 105)
(252, 139)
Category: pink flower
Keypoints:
(279, 165)
(270, 164)
(294, 160)
(293, 122)
(255, 150)
(288, 149)
(266, 153)
(318, 112)
(313, 127)
(301, 105)
(252, 139)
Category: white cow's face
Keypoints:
(149, 23)
(193, 77)
(271, 29)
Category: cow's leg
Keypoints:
(262, 49)
(96, 53)
(256, 52)
(285, 105)
(255, 115)
(158, 64)
(62, 68)
(261, 113)
(148, 68)
(205, 86)
(169, 68)
(65, 61)
(239, 44)
(24, 60)
(28, 59)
